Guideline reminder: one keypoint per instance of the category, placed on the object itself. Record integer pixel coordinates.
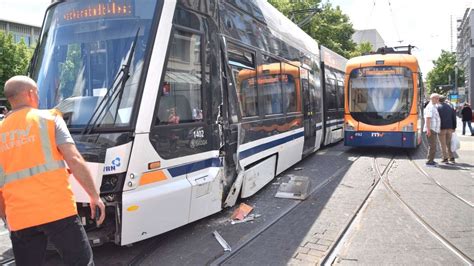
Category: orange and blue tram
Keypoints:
(383, 100)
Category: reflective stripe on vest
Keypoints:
(2, 177)
(45, 140)
(50, 166)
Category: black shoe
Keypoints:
(452, 161)
(444, 161)
(431, 164)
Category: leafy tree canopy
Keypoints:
(329, 26)
(14, 58)
(443, 73)
(362, 49)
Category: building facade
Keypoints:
(28, 33)
(371, 35)
(465, 53)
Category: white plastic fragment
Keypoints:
(222, 241)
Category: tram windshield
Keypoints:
(380, 94)
(83, 47)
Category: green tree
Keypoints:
(443, 73)
(69, 70)
(362, 49)
(329, 26)
(14, 58)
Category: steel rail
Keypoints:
(432, 179)
(337, 245)
(235, 250)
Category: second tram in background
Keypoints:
(384, 97)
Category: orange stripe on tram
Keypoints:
(152, 177)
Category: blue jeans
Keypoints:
(67, 235)
(464, 127)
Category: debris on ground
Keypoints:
(249, 218)
(298, 168)
(296, 188)
(221, 241)
(241, 212)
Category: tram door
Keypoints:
(309, 114)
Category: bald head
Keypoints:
(21, 91)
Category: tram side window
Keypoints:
(269, 81)
(316, 90)
(340, 95)
(331, 93)
(242, 63)
(290, 93)
(180, 95)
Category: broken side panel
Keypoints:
(258, 176)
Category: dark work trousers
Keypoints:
(432, 142)
(67, 235)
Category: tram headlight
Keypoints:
(408, 128)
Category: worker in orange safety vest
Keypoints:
(35, 196)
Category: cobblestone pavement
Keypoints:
(448, 215)
(5, 244)
(307, 233)
(388, 234)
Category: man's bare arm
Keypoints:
(83, 175)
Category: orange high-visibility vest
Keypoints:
(33, 176)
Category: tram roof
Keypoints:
(286, 30)
(405, 60)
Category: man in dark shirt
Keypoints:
(448, 126)
(466, 114)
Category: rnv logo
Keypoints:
(377, 135)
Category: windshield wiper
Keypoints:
(118, 86)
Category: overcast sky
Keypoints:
(423, 23)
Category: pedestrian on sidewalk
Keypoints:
(466, 115)
(448, 125)
(35, 195)
(432, 127)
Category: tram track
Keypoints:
(219, 260)
(235, 250)
(384, 177)
(436, 182)
(334, 249)
(446, 242)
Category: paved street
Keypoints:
(304, 232)
(388, 233)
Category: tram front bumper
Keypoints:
(380, 139)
